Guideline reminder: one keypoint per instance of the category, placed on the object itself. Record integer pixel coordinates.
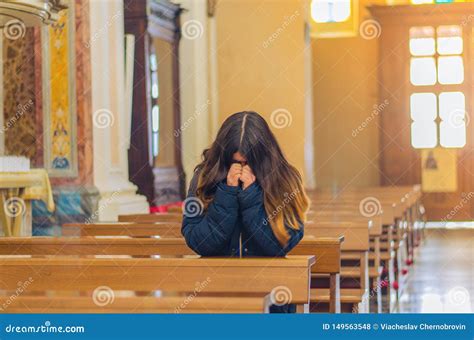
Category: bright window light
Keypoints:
(423, 135)
(423, 71)
(330, 10)
(422, 42)
(423, 107)
(450, 70)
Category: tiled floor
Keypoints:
(442, 279)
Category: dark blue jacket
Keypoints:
(235, 223)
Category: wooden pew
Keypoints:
(390, 198)
(392, 243)
(356, 241)
(374, 271)
(375, 256)
(328, 261)
(400, 199)
(385, 251)
(404, 205)
(94, 246)
(333, 296)
(277, 276)
(151, 218)
(59, 302)
(326, 251)
(163, 229)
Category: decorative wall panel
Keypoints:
(59, 96)
(19, 123)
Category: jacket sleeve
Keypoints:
(257, 224)
(209, 232)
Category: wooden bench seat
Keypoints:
(400, 208)
(384, 256)
(91, 245)
(326, 250)
(350, 297)
(347, 295)
(151, 218)
(163, 229)
(328, 261)
(352, 272)
(225, 275)
(356, 241)
(134, 304)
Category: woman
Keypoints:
(251, 200)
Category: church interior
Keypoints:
(106, 107)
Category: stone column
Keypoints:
(310, 174)
(197, 103)
(110, 135)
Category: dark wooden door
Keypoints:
(421, 129)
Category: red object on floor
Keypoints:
(164, 208)
(409, 262)
(155, 209)
(404, 271)
(384, 283)
(395, 285)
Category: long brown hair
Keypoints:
(248, 133)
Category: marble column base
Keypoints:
(122, 202)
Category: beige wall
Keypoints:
(345, 92)
(256, 72)
(259, 64)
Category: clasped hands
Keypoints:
(242, 173)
